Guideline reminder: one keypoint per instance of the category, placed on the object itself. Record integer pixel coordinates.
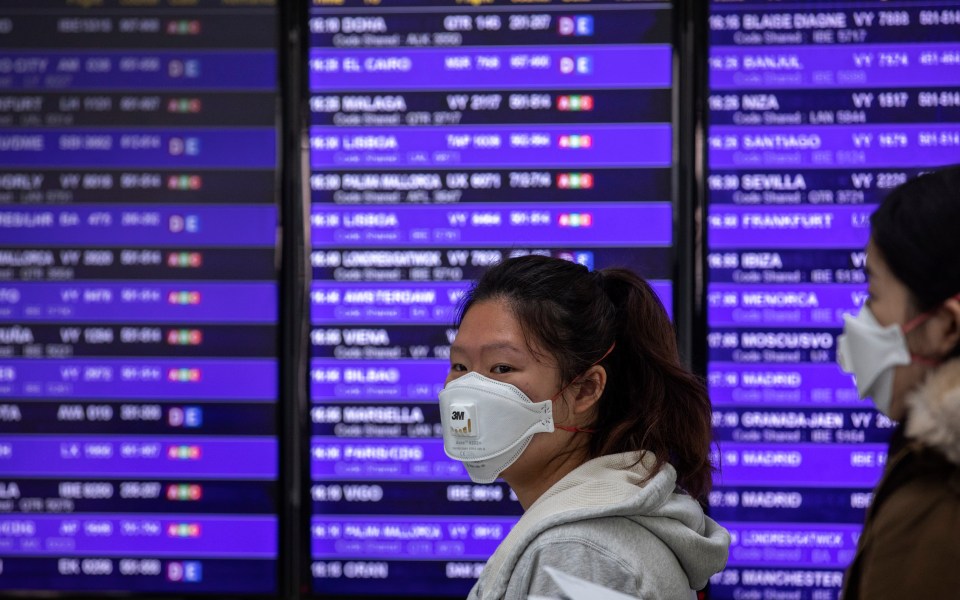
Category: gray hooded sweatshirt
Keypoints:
(602, 524)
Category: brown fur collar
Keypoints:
(934, 411)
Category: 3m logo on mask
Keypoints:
(463, 421)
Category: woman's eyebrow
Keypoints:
(499, 346)
(491, 347)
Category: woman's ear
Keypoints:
(946, 327)
(588, 390)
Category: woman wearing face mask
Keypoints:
(904, 349)
(568, 385)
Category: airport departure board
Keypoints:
(815, 111)
(139, 267)
(445, 137)
(138, 297)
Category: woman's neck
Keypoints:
(529, 487)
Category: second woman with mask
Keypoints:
(904, 349)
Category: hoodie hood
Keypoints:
(934, 411)
(614, 486)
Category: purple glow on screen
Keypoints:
(816, 111)
(139, 374)
(531, 144)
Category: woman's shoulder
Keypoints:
(918, 500)
(921, 482)
(622, 535)
(908, 546)
(611, 539)
(614, 551)
(616, 541)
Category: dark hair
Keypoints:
(917, 228)
(650, 402)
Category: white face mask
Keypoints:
(487, 424)
(869, 352)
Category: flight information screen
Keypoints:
(445, 138)
(816, 110)
(138, 297)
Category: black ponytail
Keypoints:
(652, 402)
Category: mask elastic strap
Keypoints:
(574, 429)
(917, 322)
(925, 360)
(564, 388)
(924, 317)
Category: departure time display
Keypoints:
(445, 138)
(816, 110)
(138, 298)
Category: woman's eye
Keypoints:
(501, 369)
(458, 368)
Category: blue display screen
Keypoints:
(138, 298)
(443, 139)
(815, 111)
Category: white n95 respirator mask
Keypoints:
(869, 351)
(487, 424)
